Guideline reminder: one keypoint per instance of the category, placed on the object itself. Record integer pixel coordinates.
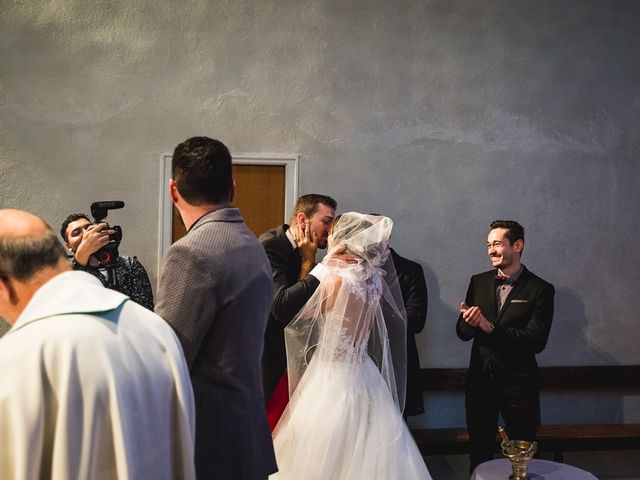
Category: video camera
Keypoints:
(107, 256)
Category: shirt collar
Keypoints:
(289, 235)
(513, 278)
(221, 214)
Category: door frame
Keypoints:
(291, 168)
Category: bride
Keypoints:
(346, 361)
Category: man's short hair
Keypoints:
(22, 257)
(201, 168)
(514, 232)
(308, 204)
(71, 218)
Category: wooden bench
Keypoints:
(556, 439)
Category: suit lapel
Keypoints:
(491, 284)
(295, 260)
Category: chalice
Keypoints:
(519, 452)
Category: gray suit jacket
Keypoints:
(216, 292)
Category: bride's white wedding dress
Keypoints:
(343, 420)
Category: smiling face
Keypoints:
(74, 232)
(502, 253)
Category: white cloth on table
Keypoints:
(537, 470)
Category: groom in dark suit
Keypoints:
(507, 312)
(291, 250)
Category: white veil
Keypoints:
(357, 311)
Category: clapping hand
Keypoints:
(473, 316)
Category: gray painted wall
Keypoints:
(443, 115)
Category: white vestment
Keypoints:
(93, 386)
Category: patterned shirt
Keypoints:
(128, 277)
(504, 287)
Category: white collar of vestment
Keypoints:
(67, 293)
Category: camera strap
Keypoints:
(112, 277)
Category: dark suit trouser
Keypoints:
(219, 437)
(484, 400)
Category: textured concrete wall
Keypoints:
(442, 114)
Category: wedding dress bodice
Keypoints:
(345, 331)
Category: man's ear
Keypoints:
(518, 245)
(232, 190)
(173, 191)
(8, 293)
(301, 218)
(4, 291)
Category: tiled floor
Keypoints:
(614, 465)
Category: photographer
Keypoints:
(127, 275)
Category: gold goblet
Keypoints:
(520, 453)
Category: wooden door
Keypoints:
(259, 194)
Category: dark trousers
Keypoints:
(484, 400)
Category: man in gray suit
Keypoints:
(216, 292)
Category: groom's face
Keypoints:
(320, 223)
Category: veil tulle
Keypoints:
(356, 312)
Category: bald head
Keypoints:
(30, 256)
(16, 223)
(27, 245)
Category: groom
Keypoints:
(291, 250)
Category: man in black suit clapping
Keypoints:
(507, 312)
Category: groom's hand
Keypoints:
(307, 246)
(307, 243)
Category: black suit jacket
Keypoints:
(289, 297)
(521, 331)
(414, 296)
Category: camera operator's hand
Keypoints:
(93, 239)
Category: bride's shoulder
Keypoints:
(333, 282)
(342, 278)
(329, 288)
